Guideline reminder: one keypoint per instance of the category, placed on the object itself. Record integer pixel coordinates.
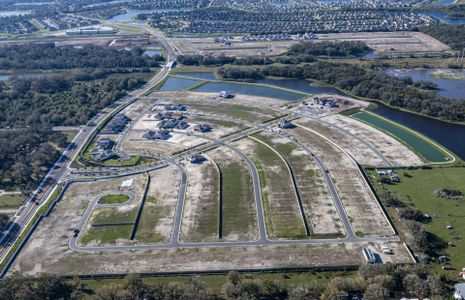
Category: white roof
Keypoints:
(127, 183)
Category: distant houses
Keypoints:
(157, 135)
(203, 127)
(116, 125)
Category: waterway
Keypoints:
(452, 136)
(443, 17)
(178, 84)
(298, 85)
(420, 145)
(448, 87)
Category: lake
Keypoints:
(199, 75)
(12, 13)
(449, 88)
(131, 13)
(452, 136)
(443, 17)
(178, 84)
(151, 52)
(249, 89)
(298, 85)
(426, 149)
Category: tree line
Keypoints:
(451, 35)
(48, 56)
(372, 83)
(370, 281)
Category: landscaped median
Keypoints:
(26, 232)
(427, 149)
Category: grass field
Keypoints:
(417, 188)
(281, 209)
(113, 199)
(107, 234)
(112, 215)
(9, 201)
(238, 198)
(417, 143)
(150, 218)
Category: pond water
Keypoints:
(249, 89)
(131, 13)
(178, 84)
(14, 13)
(420, 145)
(301, 85)
(452, 136)
(152, 52)
(443, 17)
(449, 88)
(298, 85)
(200, 75)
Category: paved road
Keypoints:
(61, 168)
(263, 240)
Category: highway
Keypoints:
(61, 169)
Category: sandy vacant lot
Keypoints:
(380, 42)
(69, 263)
(359, 202)
(395, 151)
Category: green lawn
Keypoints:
(416, 189)
(152, 213)
(10, 201)
(113, 215)
(107, 234)
(113, 199)
(239, 214)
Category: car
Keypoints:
(76, 232)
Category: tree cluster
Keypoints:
(340, 49)
(48, 56)
(25, 155)
(371, 281)
(452, 35)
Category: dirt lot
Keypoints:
(52, 236)
(160, 205)
(394, 150)
(283, 217)
(318, 205)
(391, 41)
(200, 214)
(361, 206)
(70, 263)
(380, 42)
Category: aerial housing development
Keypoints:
(212, 149)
